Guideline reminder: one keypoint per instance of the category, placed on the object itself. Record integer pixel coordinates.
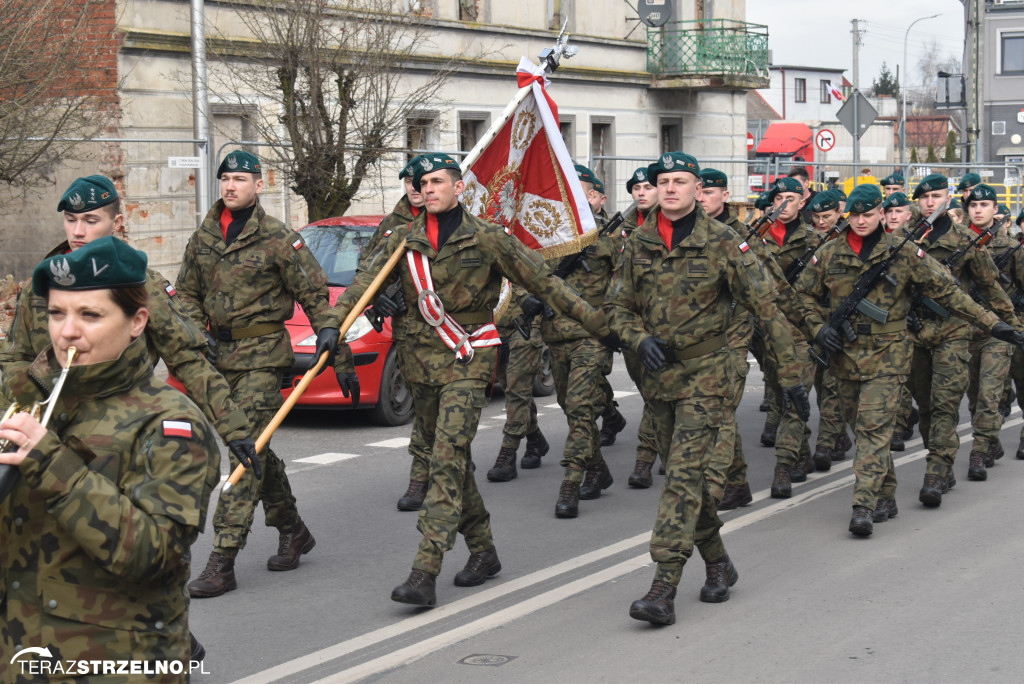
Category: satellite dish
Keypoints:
(654, 13)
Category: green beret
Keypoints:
(599, 185)
(428, 163)
(584, 174)
(639, 176)
(955, 203)
(969, 180)
(673, 161)
(240, 161)
(87, 194)
(713, 178)
(840, 193)
(936, 181)
(409, 168)
(896, 199)
(981, 192)
(864, 198)
(1020, 218)
(1004, 210)
(824, 201)
(893, 179)
(785, 184)
(104, 263)
(762, 201)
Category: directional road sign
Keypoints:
(865, 114)
(825, 140)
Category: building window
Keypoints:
(567, 127)
(1011, 51)
(602, 144)
(421, 133)
(800, 90)
(472, 126)
(671, 135)
(826, 92)
(998, 128)
(469, 10)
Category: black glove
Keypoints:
(611, 341)
(829, 339)
(797, 396)
(503, 352)
(245, 451)
(1007, 333)
(211, 348)
(326, 341)
(652, 353)
(532, 306)
(390, 306)
(349, 384)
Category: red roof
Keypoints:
(785, 138)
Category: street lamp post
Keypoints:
(903, 109)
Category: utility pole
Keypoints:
(200, 109)
(975, 15)
(856, 94)
(856, 53)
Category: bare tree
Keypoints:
(340, 76)
(58, 80)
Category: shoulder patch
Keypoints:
(388, 232)
(920, 254)
(744, 247)
(178, 428)
(508, 230)
(297, 245)
(170, 290)
(814, 260)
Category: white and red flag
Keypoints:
(525, 178)
(836, 93)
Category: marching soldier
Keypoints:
(869, 368)
(966, 184)
(939, 371)
(453, 267)
(671, 300)
(241, 274)
(892, 184)
(111, 494)
(897, 212)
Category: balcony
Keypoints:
(713, 53)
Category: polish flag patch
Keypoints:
(814, 260)
(388, 232)
(920, 254)
(178, 428)
(170, 290)
(297, 245)
(744, 247)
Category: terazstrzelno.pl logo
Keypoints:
(44, 664)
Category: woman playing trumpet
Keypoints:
(95, 535)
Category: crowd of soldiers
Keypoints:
(890, 312)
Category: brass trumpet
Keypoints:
(9, 473)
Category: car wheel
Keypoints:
(394, 407)
(544, 381)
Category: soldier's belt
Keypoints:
(596, 301)
(699, 349)
(474, 317)
(226, 334)
(880, 328)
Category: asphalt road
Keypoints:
(934, 595)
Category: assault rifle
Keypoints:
(918, 299)
(857, 301)
(570, 263)
(800, 263)
(1001, 262)
(760, 226)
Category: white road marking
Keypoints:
(392, 443)
(546, 599)
(324, 459)
(552, 406)
(620, 394)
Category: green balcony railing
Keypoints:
(708, 48)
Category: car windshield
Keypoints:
(337, 248)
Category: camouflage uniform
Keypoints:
(171, 335)
(95, 536)
(245, 292)
(939, 370)
(525, 357)
(870, 369)
(684, 296)
(448, 395)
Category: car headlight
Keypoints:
(358, 329)
(309, 341)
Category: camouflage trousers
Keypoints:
(524, 362)
(792, 439)
(757, 348)
(258, 393)
(451, 414)
(647, 447)
(989, 367)
(831, 425)
(687, 513)
(868, 407)
(727, 465)
(938, 380)
(579, 368)
(906, 407)
(1017, 376)
(419, 445)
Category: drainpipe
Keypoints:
(783, 94)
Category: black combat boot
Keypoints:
(657, 606)
(768, 435)
(897, 443)
(822, 458)
(641, 477)
(479, 567)
(950, 481)
(594, 481)
(195, 649)
(418, 589)
(568, 504)
(536, 447)
(912, 420)
(995, 452)
(735, 496)
(803, 467)
(931, 493)
(1020, 449)
(610, 427)
(782, 485)
(720, 576)
(217, 578)
(884, 509)
(290, 545)
(860, 521)
(504, 468)
(843, 444)
(763, 406)
(976, 466)
(413, 498)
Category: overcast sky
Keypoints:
(804, 33)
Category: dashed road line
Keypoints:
(325, 459)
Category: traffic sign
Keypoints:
(865, 114)
(750, 141)
(825, 140)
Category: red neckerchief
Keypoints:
(225, 221)
(665, 230)
(977, 231)
(778, 232)
(639, 218)
(416, 210)
(432, 230)
(855, 241)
